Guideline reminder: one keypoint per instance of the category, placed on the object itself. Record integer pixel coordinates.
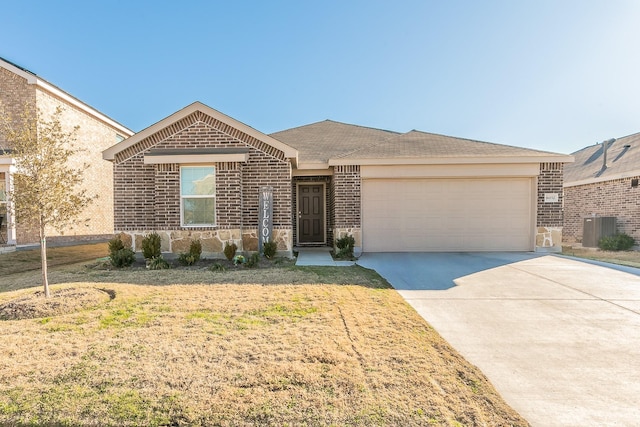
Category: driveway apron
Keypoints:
(557, 337)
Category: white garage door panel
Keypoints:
(447, 214)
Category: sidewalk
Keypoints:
(318, 257)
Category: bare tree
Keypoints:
(46, 188)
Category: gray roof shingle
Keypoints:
(422, 144)
(321, 141)
(623, 159)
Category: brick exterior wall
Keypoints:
(549, 218)
(346, 198)
(147, 197)
(609, 198)
(346, 188)
(15, 95)
(550, 181)
(93, 137)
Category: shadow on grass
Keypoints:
(275, 274)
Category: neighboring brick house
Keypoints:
(603, 181)
(20, 88)
(199, 174)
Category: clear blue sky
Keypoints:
(555, 75)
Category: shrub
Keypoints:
(195, 249)
(115, 245)
(158, 263)
(151, 246)
(217, 267)
(119, 255)
(238, 259)
(230, 250)
(253, 260)
(617, 242)
(345, 245)
(269, 249)
(193, 256)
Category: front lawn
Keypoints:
(289, 346)
(628, 258)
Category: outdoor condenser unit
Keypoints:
(597, 227)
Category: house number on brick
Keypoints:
(551, 197)
(265, 219)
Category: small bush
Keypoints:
(151, 246)
(186, 259)
(345, 245)
(269, 249)
(217, 267)
(158, 263)
(617, 242)
(193, 256)
(119, 255)
(238, 260)
(253, 260)
(115, 245)
(230, 250)
(195, 249)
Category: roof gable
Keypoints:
(42, 84)
(622, 161)
(174, 123)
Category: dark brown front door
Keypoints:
(311, 214)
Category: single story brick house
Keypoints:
(603, 181)
(201, 174)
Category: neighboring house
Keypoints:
(20, 88)
(603, 181)
(200, 174)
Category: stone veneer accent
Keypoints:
(147, 197)
(213, 241)
(608, 198)
(347, 202)
(549, 215)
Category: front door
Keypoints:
(311, 216)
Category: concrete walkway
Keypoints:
(558, 338)
(320, 256)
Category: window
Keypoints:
(198, 195)
(3, 193)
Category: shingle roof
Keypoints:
(329, 140)
(422, 144)
(321, 141)
(623, 160)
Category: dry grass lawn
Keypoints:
(20, 261)
(629, 258)
(289, 346)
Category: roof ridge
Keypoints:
(597, 144)
(340, 123)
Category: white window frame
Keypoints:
(182, 197)
(4, 191)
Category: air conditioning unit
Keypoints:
(597, 227)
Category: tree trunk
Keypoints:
(43, 255)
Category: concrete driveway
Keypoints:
(557, 337)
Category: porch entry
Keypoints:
(311, 214)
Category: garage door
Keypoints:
(447, 215)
